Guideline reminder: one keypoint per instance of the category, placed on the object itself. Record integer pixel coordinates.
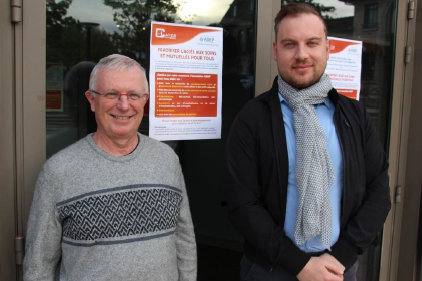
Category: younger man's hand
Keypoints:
(322, 269)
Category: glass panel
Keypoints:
(203, 160)
(79, 33)
(373, 23)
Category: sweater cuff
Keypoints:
(345, 252)
(293, 259)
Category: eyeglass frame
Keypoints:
(129, 96)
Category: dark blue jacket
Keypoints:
(257, 174)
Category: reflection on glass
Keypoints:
(79, 33)
(373, 23)
(203, 160)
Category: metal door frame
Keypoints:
(405, 149)
(7, 140)
(266, 67)
(22, 144)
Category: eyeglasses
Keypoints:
(113, 96)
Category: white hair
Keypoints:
(115, 62)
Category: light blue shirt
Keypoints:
(325, 113)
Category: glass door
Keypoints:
(79, 33)
(203, 161)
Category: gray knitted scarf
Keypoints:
(314, 168)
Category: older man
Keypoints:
(112, 206)
(307, 176)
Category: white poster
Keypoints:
(345, 66)
(185, 82)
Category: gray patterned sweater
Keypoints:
(95, 216)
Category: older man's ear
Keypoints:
(90, 97)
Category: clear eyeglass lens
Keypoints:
(134, 96)
(111, 95)
(116, 95)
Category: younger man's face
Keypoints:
(301, 50)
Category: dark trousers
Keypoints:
(253, 272)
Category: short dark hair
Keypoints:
(294, 10)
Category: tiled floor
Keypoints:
(216, 264)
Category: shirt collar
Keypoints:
(327, 101)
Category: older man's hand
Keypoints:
(323, 268)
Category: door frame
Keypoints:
(30, 64)
(22, 77)
(406, 149)
(392, 224)
(7, 140)
(266, 67)
(22, 144)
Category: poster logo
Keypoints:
(160, 33)
(353, 50)
(206, 39)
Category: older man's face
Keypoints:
(119, 118)
(301, 50)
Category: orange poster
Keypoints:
(54, 87)
(185, 94)
(344, 66)
(185, 82)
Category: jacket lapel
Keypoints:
(280, 144)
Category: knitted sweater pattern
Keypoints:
(96, 216)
